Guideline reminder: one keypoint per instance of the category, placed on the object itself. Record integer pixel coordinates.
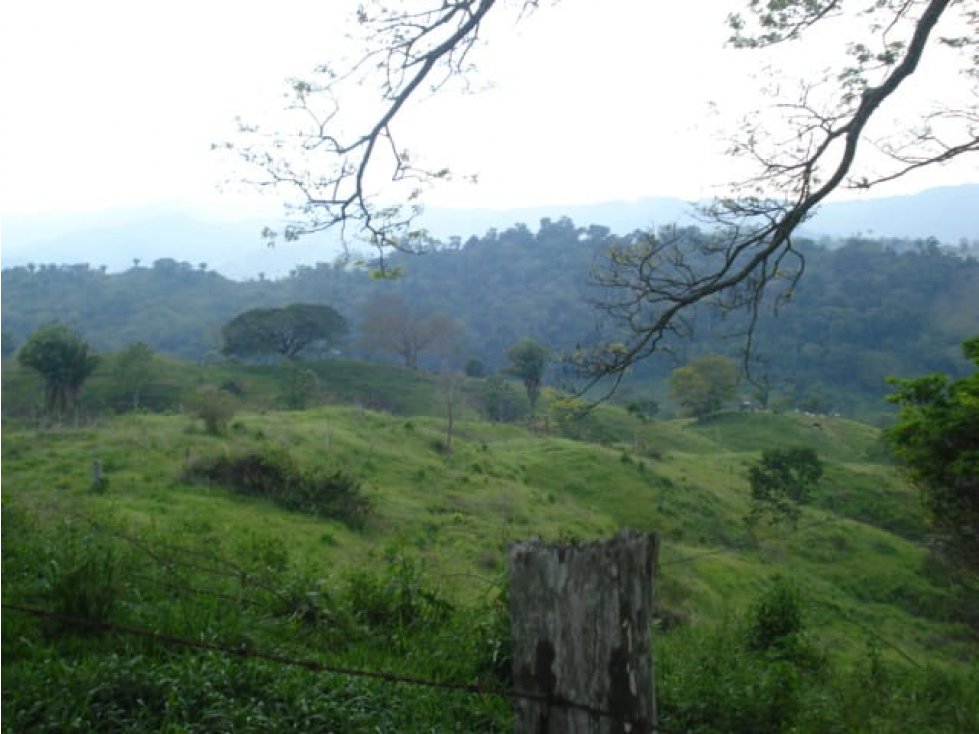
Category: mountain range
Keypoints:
(235, 248)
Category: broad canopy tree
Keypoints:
(63, 359)
(655, 283)
(705, 385)
(283, 331)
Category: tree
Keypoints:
(781, 481)
(475, 368)
(936, 438)
(528, 360)
(63, 359)
(705, 385)
(800, 158)
(132, 370)
(283, 331)
(390, 324)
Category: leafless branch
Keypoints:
(335, 172)
(652, 286)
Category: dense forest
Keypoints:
(864, 309)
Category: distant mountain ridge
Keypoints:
(236, 249)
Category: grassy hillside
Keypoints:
(440, 524)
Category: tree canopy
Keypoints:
(937, 439)
(283, 331)
(528, 360)
(63, 359)
(781, 481)
(705, 385)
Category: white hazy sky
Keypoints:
(111, 103)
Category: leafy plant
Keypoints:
(781, 481)
(273, 473)
(215, 407)
(937, 440)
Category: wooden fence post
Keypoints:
(581, 615)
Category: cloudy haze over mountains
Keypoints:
(234, 247)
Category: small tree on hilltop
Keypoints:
(528, 359)
(133, 371)
(63, 359)
(781, 481)
(283, 331)
(705, 385)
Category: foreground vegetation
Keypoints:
(345, 536)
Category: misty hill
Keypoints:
(236, 249)
(864, 310)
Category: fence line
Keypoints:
(319, 667)
(247, 579)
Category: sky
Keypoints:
(114, 103)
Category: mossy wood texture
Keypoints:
(581, 618)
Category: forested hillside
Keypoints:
(865, 309)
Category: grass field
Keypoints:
(438, 529)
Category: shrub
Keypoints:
(776, 616)
(215, 407)
(273, 473)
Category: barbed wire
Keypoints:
(246, 652)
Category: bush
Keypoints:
(273, 473)
(776, 617)
(215, 407)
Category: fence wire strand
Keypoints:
(317, 666)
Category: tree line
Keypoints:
(866, 309)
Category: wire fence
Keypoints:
(169, 556)
(316, 666)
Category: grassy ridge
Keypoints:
(416, 588)
(855, 548)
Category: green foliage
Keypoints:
(705, 385)
(398, 599)
(644, 410)
(132, 371)
(213, 406)
(273, 473)
(82, 581)
(936, 438)
(781, 481)
(498, 401)
(475, 368)
(206, 564)
(776, 617)
(528, 360)
(283, 331)
(300, 385)
(708, 682)
(63, 359)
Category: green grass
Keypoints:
(857, 554)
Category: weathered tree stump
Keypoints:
(581, 617)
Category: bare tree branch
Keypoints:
(652, 286)
(336, 172)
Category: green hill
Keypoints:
(160, 548)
